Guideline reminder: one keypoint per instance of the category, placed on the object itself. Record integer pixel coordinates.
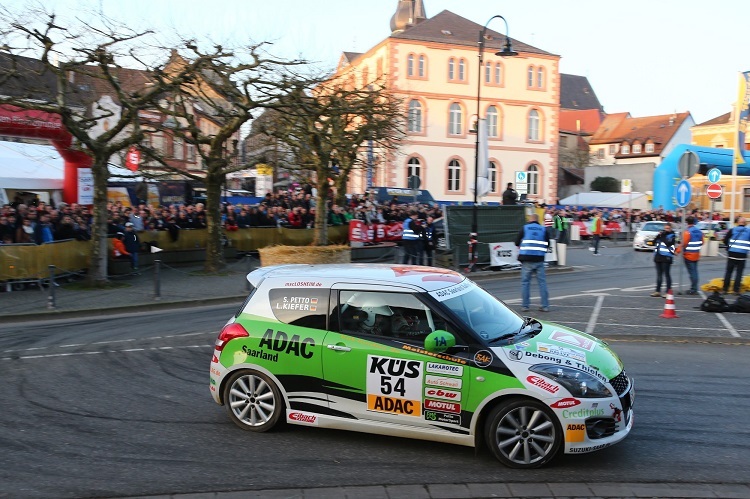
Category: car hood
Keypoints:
(557, 344)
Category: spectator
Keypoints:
(510, 196)
(132, 245)
(118, 247)
(663, 255)
(738, 246)
(25, 233)
(44, 232)
(533, 241)
(692, 241)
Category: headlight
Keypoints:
(578, 383)
(638, 239)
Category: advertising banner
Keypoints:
(85, 186)
(506, 253)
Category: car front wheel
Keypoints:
(253, 400)
(523, 433)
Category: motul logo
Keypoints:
(303, 418)
(437, 405)
(541, 383)
(565, 403)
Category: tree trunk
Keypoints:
(214, 249)
(97, 272)
(321, 211)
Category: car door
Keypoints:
(377, 369)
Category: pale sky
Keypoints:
(646, 57)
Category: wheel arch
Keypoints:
(252, 367)
(488, 404)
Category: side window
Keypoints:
(393, 315)
(304, 307)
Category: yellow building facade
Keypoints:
(721, 132)
(432, 65)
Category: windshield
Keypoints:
(651, 227)
(484, 314)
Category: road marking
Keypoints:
(727, 325)
(212, 333)
(595, 315)
(75, 354)
(599, 290)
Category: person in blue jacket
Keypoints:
(532, 242)
(738, 246)
(663, 256)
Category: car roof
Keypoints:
(326, 275)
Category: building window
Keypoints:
(636, 148)
(625, 149)
(191, 153)
(413, 168)
(533, 128)
(462, 69)
(454, 176)
(421, 66)
(365, 75)
(498, 74)
(530, 77)
(179, 152)
(540, 78)
(454, 120)
(493, 176)
(488, 73)
(532, 178)
(563, 141)
(415, 116)
(492, 130)
(746, 200)
(600, 153)
(612, 149)
(649, 147)
(451, 68)
(410, 65)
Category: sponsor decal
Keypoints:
(454, 383)
(515, 354)
(442, 294)
(573, 339)
(213, 388)
(588, 449)
(575, 432)
(303, 303)
(543, 384)
(440, 417)
(483, 358)
(304, 284)
(440, 356)
(439, 405)
(591, 370)
(616, 412)
(568, 353)
(582, 413)
(434, 367)
(280, 342)
(303, 417)
(565, 403)
(213, 381)
(260, 354)
(215, 359)
(215, 371)
(439, 393)
(394, 385)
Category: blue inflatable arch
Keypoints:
(667, 175)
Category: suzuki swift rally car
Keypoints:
(416, 352)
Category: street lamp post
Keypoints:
(507, 51)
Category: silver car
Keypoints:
(644, 238)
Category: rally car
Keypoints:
(416, 352)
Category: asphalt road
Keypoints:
(120, 406)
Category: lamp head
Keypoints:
(507, 51)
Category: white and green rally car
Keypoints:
(416, 352)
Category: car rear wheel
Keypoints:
(253, 401)
(523, 433)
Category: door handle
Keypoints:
(339, 348)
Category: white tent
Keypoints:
(635, 200)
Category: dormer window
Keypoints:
(625, 149)
(650, 147)
(446, 32)
(636, 148)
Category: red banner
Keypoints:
(359, 232)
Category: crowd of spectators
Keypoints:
(625, 216)
(41, 223)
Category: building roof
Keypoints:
(584, 121)
(449, 28)
(576, 93)
(719, 120)
(623, 128)
(31, 79)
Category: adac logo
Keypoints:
(565, 403)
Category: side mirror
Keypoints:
(439, 341)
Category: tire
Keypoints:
(523, 433)
(253, 401)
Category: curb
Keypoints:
(142, 307)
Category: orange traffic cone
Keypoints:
(669, 310)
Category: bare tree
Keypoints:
(324, 121)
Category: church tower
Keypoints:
(408, 13)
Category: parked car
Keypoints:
(418, 352)
(716, 229)
(644, 238)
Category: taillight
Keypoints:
(230, 332)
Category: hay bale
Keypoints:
(279, 255)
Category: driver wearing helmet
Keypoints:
(373, 319)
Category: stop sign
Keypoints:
(714, 191)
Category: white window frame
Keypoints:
(637, 148)
(649, 148)
(454, 176)
(493, 176)
(415, 116)
(421, 67)
(410, 65)
(413, 167)
(532, 179)
(451, 68)
(625, 149)
(455, 118)
(534, 121)
(492, 122)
